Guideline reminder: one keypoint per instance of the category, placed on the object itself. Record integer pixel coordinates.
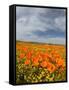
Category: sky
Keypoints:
(46, 25)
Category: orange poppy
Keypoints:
(35, 61)
(27, 62)
(43, 64)
(28, 55)
(25, 49)
(51, 67)
(60, 62)
(22, 55)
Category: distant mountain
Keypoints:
(38, 42)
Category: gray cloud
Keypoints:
(44, 23)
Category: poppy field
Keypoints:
(40, 62)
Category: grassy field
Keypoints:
(39, 62)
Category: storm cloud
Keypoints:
(47, 25)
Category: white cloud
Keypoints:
(60, 23)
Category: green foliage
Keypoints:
(23, 60)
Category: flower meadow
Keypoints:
(40, 62)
